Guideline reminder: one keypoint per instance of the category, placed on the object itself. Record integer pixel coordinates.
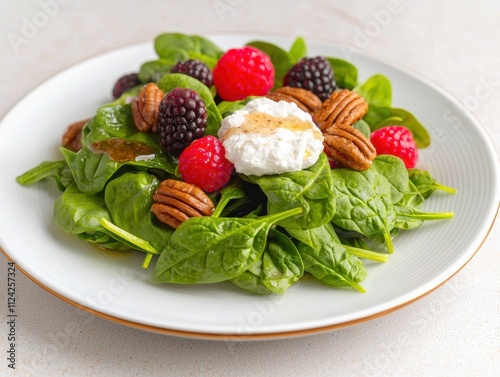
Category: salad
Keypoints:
(254, 165)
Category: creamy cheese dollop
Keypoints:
(267, 137)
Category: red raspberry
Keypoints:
(397, 141)
(204, 164)
(243, 72)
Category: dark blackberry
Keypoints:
(194, 68)
(182, 119)
(125, 83)
(314, 74)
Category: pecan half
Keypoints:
(177, 201)
(343, 107)
(349, 146)
(72, 138)
(145, 107)
(304, 99)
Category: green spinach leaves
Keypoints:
(310, 189)
(266, 232)
(279, 267)
(213, 249)
(177, 46)
(59, 171)
(346, 74)
(377, 91)
(364, 204)
(327, 259)
(377, 202)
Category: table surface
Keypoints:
(453, 331)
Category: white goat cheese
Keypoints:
(268, 137)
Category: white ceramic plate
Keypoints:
(113, 285)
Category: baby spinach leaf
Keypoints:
(327, 259)
(354, 241)
(131, 240)
(346, 74)
(177, 55)
(393, 168)
(252, 203)
(250, 280)
(226, 108)
(365, 253)
(415, 213)
(110, 121)
(78, 213)
(298, 50)
(129, 198)
(57, 170)
(92, 170)
(413, 197)
(403, 192)
(232, 191)
(426, 184)
(364, 205)
(328, 233)
(376, 90)
(405, 196)
(174, 80)
(177, 46)
(279, 267)
(381, 116)
(206, 51)
(127, 238)
(405, 223)
(364, 127)
(154, 70)
(311, 189)
(180, 80)
(282, 265)
(213, 249)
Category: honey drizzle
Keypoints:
(121, 150)
(260, 123)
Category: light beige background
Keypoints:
(454, 331)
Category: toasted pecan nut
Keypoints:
(177, 201)
(349, 146)
(72, 138)
(305, 99)
(343, 107)
(145, 107)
